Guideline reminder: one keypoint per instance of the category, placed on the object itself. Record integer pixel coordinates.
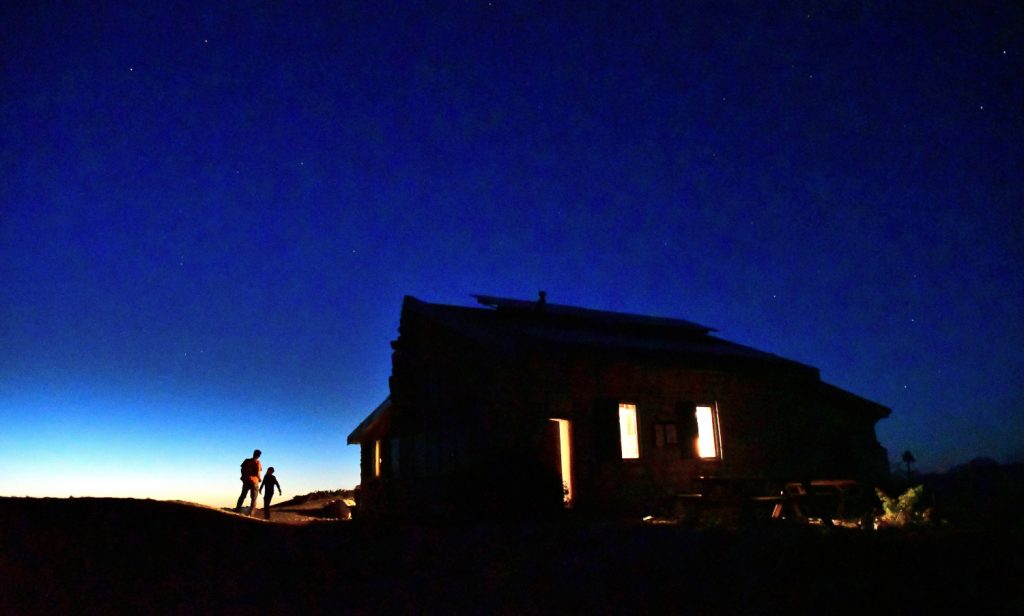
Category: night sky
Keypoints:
(209, 214)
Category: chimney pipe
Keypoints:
(542, 298)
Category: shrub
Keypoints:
(904, 510)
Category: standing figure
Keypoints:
(251, 469)
(269, 482)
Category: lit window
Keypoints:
(707, 432)
(627, 432)
(376, 458)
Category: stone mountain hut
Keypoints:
(532, 406)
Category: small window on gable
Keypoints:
(708, 441)
(671, 434)
(665, 434)
(628, 432)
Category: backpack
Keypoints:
(250, 468)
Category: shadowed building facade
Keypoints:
(530, 406)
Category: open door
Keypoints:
(562, 456)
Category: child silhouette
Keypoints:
(269, 481)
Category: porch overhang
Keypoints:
(376, 423)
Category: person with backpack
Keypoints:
(268, 483)
(251, 469)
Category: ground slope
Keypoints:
(142, 556)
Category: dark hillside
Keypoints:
(979, 494)
(140, 556)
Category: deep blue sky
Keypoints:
(210, 213)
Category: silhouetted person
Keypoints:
(251, 469)
(269, 482)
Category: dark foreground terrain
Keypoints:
(140, 556)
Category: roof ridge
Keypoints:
(518, 305)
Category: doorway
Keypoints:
(563, 456)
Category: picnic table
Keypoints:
(825, 501)
(745, 500)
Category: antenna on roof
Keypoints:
(542, 298)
